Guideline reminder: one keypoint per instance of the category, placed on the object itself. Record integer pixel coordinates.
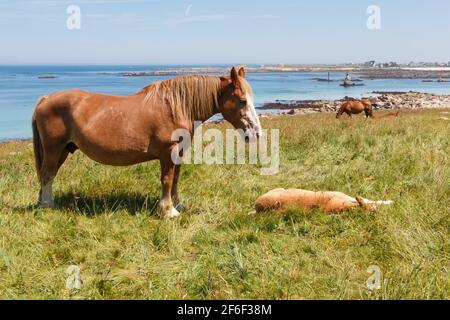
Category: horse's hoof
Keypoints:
(181, 208)
(45, 205)
(167, 212)
(172, 214)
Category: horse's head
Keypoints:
(236, 104)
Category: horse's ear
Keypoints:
(234, 76)
(242, 72)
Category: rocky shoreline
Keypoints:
(437, 74)
(397, 73)
(380, 101)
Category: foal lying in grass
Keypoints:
(389, 115)
(331, 202)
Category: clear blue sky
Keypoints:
(232, 31)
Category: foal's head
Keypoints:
(236, 104)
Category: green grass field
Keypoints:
(104, 222)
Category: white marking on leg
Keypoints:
(166, 210)
(252, 116)
(388, 202)
(174, 213)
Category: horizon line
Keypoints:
(208, 64)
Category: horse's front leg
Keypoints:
(175, 196)
(166, 208)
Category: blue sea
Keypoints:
(20, 88)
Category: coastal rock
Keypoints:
(380, 100)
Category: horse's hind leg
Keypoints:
(166, 208)
(175, 196)
(52, 160)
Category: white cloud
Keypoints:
(200, 18)
(188, 10)
(216, 17)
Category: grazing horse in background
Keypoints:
(356, 107)
(126, 130)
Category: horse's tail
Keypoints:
(37, 143)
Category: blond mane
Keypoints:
(189, 97)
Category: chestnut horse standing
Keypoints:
(356, 107)
(126, 130)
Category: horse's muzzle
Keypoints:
(253, 134)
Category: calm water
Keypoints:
(20, 88)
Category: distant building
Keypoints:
(388, 65)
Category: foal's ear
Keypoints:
(234, 76)
(242, 72)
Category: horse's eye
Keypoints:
(243, 101)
